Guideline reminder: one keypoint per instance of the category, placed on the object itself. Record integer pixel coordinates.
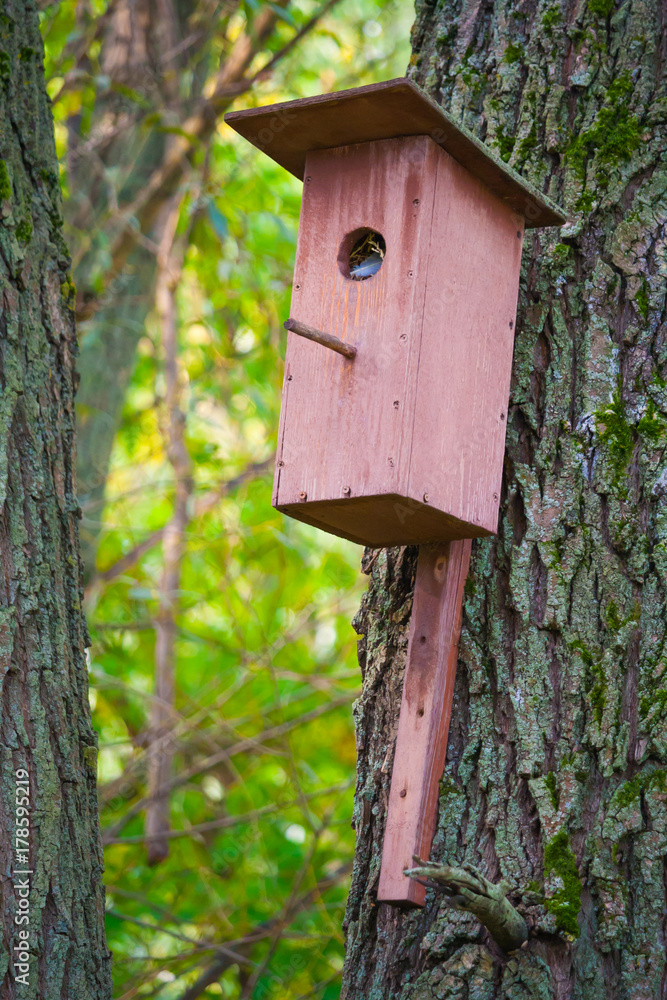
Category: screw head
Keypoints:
(404, 792)
(297, 287)
(396, 404)
(280, 464)
(426, 498)
(410, 273)
(346, 491)
(502, 416)
(415, 201)
(495, 496)
(511, 323)
(308, 180)
(303, 495)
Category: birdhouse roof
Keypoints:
(287, 132)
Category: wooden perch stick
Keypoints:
(319, 337)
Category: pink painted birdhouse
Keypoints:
(397, 378)
(405, 288)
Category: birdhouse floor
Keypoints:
(381, 521)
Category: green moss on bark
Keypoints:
(601, 8)
(24, 231)
(630, 791)
(550, 782)
(5, 182)
(565, 903)
(611, 139)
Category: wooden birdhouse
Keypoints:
(408, 255)
(396, 389)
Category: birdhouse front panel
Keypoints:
(405, 255)
(346, 426)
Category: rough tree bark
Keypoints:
(555, 777)
(45, 729)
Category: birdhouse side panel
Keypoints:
(346, 425)
(466, 349)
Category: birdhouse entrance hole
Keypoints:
(361, 254)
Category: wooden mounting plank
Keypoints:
(423, 728)
(287, 132)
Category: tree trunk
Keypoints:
(138, 42)
(160, 50)
(48, 750)
(555, 777)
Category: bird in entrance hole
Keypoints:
(366, 256)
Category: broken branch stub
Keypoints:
(468, 890)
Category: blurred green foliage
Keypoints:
(266, 668)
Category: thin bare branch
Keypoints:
(228, 821)
(280, 926)
(205, 503)
(160, 745)
(221, 964)
(265, 71)
(165, 180)
(256, 743)
(229, 83)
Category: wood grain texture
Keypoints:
(466, 348)
(421, 743)
(405, 446)
(287, 132)
(347, 426)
